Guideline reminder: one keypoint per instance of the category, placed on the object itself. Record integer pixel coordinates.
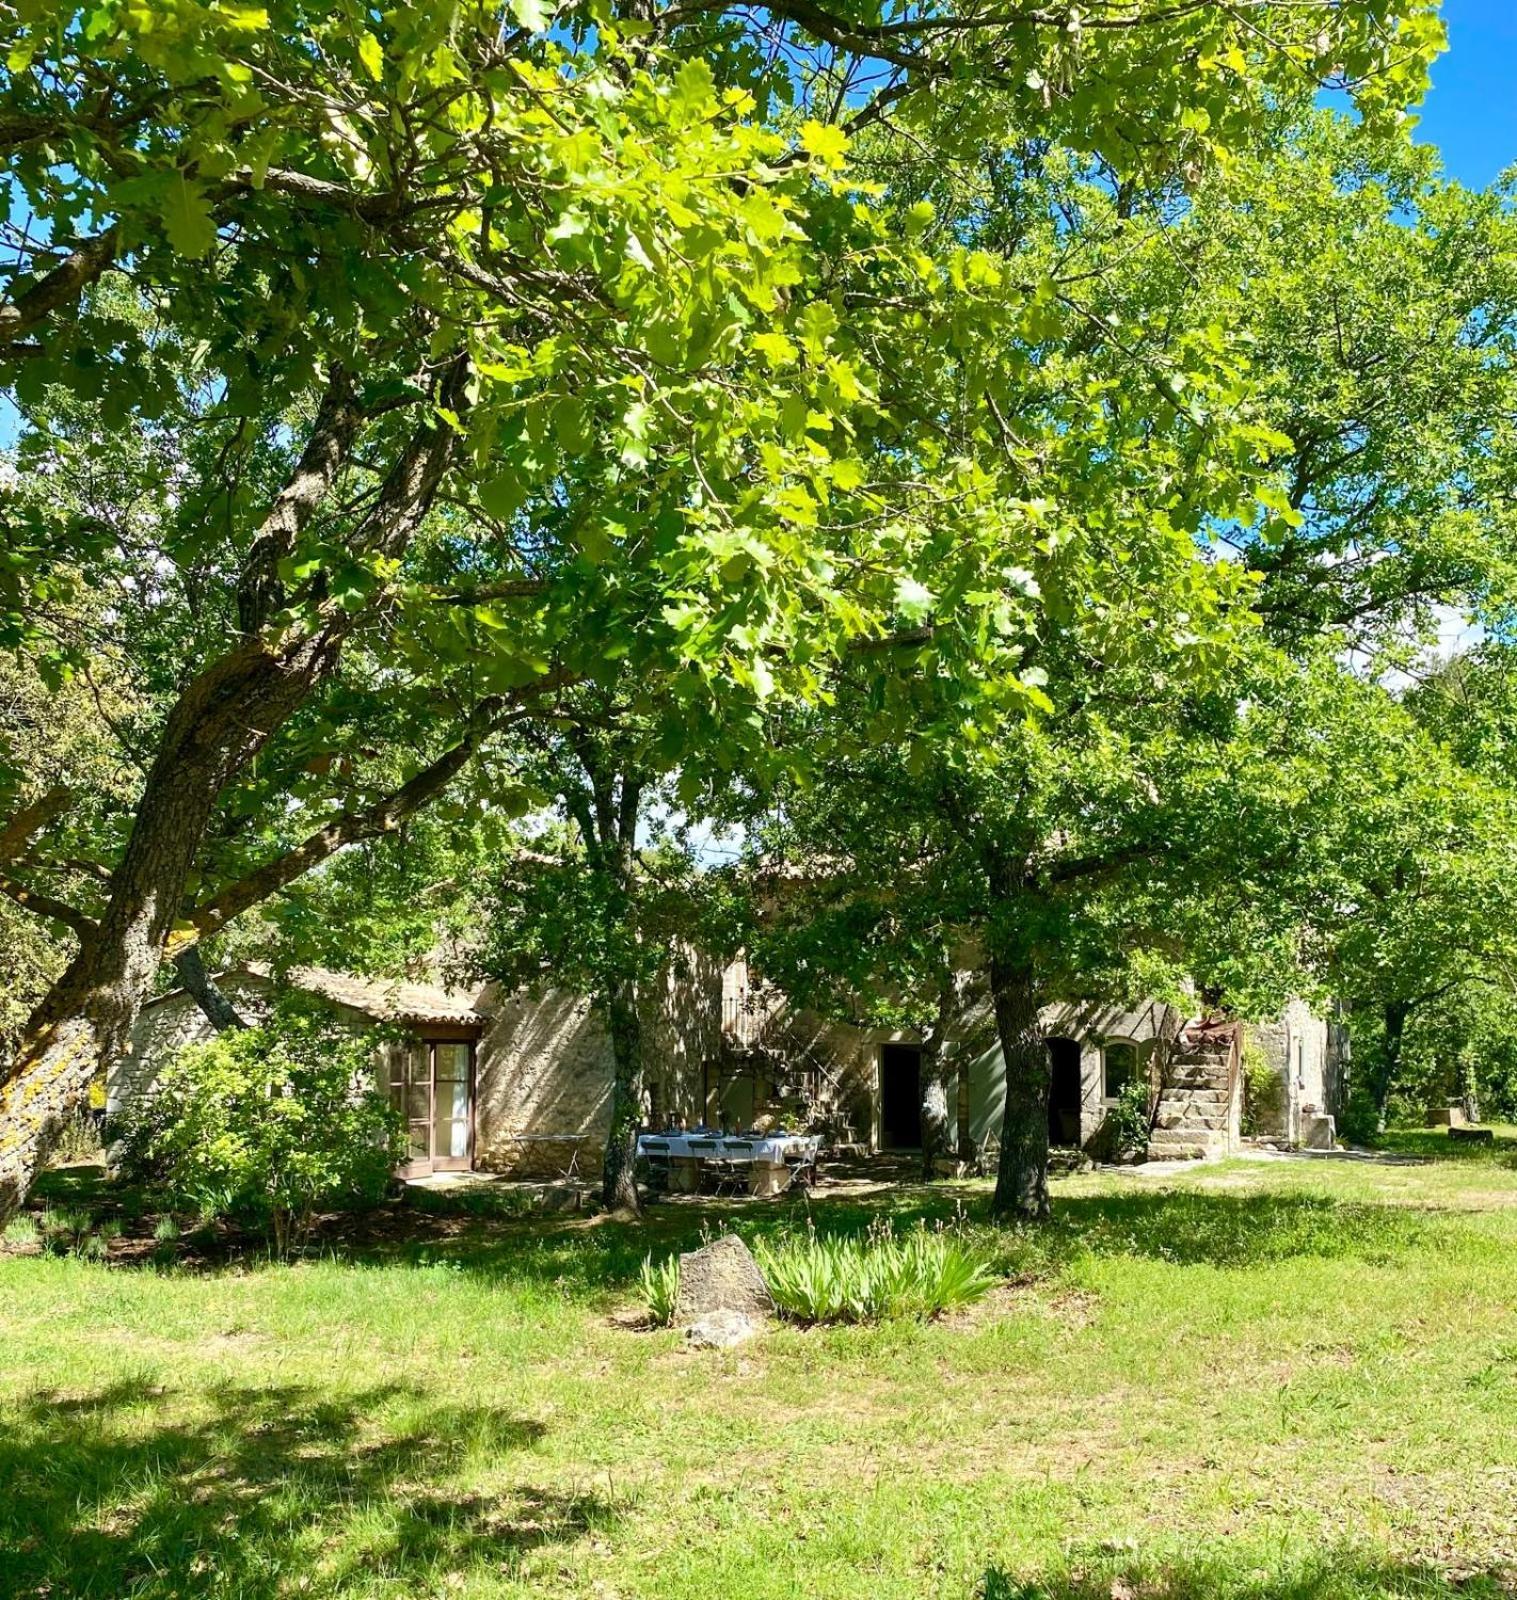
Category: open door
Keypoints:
(900, 1097)
(432, 1086)
(1064, 1093)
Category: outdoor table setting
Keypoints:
(772, 1158)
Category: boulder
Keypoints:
(720, 1330)
(556, 1197)
(721, 1276)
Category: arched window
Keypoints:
(1121, 1062)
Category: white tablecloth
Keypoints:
(773, 1148)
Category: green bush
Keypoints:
(1263, 1093)
(21, 1233)
(883, 1275)
(267, 1126)
(1128, 1121)
(659, 1286)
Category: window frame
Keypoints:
(1139, 1065)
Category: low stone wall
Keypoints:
(547, 1156)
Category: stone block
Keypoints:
(1318, 1131)
(721, 1276)
(720, 1330)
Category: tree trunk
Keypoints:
(1389, 1065)
(223, 717)
(619, 1186)
(85, 1021)
(935, 1131)
(1022, 1176)
(937, 1062)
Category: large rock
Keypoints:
(720, 1330)
(721, 1276)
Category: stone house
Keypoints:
(520, 1083)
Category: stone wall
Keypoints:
(166, 1026)
(545, 1070)
(1296, 1049)
(543, 1085)
(1150, 1026)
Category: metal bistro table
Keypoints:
(772, 1159)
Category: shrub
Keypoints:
(78, 1140)
(883, 1275)
(1263, 1093)
(21, 1233)
(1129, 1119)
(268, 1125)
(660, 1289)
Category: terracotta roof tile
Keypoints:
(388, 999)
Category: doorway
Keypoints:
(432, 1086)
(1064, 1093)
(900, 1097)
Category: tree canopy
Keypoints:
(399, 374)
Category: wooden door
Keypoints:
(432, 1086)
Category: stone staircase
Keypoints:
(1197, 1115)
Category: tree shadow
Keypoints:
(600, 1257)
(114, 1493)
(1344, 1573)
(1438, 1145)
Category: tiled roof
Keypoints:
(387, 999)
(383, 999)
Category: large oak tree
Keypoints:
(381, 269)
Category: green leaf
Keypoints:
(913, 599)
(371, 54)
(825, 141)
(187, 218)
(502, 495)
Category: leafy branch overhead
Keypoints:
(386, 379)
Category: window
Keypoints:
(1120, 1061)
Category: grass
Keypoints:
(1281, 1381)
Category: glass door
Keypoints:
(432, 1086)
(452, 1105)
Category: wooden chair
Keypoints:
(802, 1165)
(709, 1154)
(656, 1153)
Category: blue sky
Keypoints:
(1471, 115)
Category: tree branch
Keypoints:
(57, 288)
(338, 419)
(203, 989)
(384, 816)
(45, 906)
(29, 820)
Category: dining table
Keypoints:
(772, 1157)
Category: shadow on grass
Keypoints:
(1436, 1144)
(598, 1258)
(115, 1493)
(1334, 1574)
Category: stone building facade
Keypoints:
(521, 1083)
(517, 1084)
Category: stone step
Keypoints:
(1176, 1142)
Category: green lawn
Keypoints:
(1278, 1380)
